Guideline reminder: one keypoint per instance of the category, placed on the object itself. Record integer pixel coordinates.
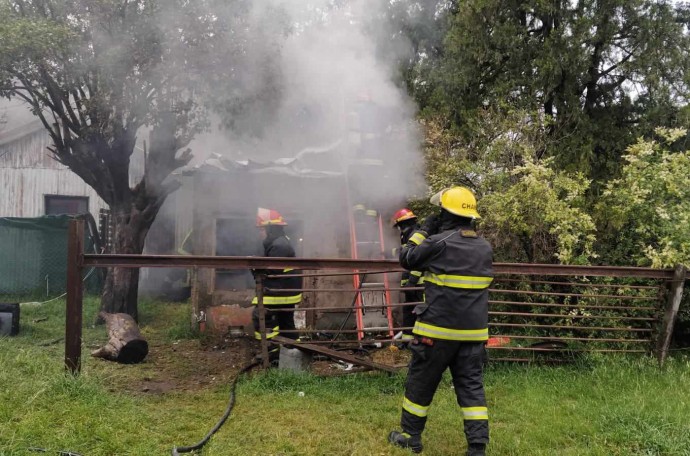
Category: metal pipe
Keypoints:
(550, 293)
(577, 284)
(341, 308)
(602, 317)
(578, 306)
(335, 274)
(583, 339)
(224, 262)
(578, 350)
(346, 290)
(579, 328)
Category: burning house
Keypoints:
(323, 194)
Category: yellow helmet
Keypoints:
(457, 200)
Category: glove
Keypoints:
(413, 281)
(431, 224)
(405, 234)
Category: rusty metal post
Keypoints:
(671, 311)
(259, 280)
(75, 294)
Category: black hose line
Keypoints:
(59, 452)
(231, 403)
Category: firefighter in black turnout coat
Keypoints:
(281, 292)
(452, 325)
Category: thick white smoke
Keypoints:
(311, 74)
(321, 60)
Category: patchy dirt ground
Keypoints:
(180, 366)
(190, 365)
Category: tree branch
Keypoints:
(607, 71)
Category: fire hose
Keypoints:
(231, 403)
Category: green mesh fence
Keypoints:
(33, 258)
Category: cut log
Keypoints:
(126, 344)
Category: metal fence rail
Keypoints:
(539, 312)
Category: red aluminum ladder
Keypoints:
(367, 242)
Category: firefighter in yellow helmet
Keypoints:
(452, 326)
(281, 292)
(406, 222)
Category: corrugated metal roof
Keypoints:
(17, 120)
(314, 162)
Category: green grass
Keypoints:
(605, 405)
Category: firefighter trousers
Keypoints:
(276, 322)
(429, 362)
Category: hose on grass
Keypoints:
(231, 403)
(59, 452)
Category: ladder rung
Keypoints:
(372, 284)
(368, 242)
(376, 328)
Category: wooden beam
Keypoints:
(259, 281)
(672, 306)
(75, 291)
(311, 348)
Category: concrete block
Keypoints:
(227, 318)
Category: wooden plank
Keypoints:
(311, 348)
(259, 281)
(75, 290)
(672, 306)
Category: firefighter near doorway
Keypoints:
(280, 292)
(452, 325)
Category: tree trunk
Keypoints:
(121, 289)
(125, 344)
(135, 209)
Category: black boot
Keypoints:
(405, 440)
(476, 449)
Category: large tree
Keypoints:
(600, 72)
(98, 73)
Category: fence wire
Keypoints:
(537, 317)
(33, 258)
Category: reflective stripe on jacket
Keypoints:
(413, 278)
(457, 267)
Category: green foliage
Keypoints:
(543, 212)
(531, 211)
(532, 104)
(601, 73)
(31, 39)
(649, 205)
